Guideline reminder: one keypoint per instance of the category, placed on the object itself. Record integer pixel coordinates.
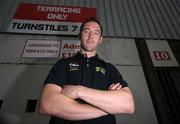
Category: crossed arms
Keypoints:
(60, 102)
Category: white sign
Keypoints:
(43, 27)
(69, 48)
(42, 48)
(36, 48)
(161, 53)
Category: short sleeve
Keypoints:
(58, 73)
(115, 76)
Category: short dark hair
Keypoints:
(91, 19)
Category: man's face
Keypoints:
(90, 36)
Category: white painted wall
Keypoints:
(22, 79)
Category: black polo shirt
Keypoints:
(90, 72)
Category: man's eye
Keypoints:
(86, 31)
(96, 33)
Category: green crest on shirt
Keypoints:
(100, 69)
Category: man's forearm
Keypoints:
(79, 111)
(111, 101)
(56, 104)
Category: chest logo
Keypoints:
(73, 66)
(100, 69)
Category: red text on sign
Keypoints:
(162, 55)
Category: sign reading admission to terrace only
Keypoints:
(36, 48)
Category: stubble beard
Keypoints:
(88, 49)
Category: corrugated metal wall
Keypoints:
(157, 19)
(170, 82)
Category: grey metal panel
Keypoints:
(150, 20)
(102, 16)
(40, 1)
(93, 3)
(62, 2)
(116, 18)
(129, 15)
(2, 5)
(9, 13)
(123, 18)
(68, 2)
(163, 18)
(81, 3)
(119, 51)
(142, 19)
(135, 18)
(87, 3)
(173, 14)
(158, 19)
(176, 4)
(109, 17)
(4, 14)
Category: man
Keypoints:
(84, 89)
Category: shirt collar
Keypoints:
(80, 55)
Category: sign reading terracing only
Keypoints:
(49, 19)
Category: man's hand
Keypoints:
(115, 86)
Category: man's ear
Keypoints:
(101, 38)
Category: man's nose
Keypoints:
(90, 34)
